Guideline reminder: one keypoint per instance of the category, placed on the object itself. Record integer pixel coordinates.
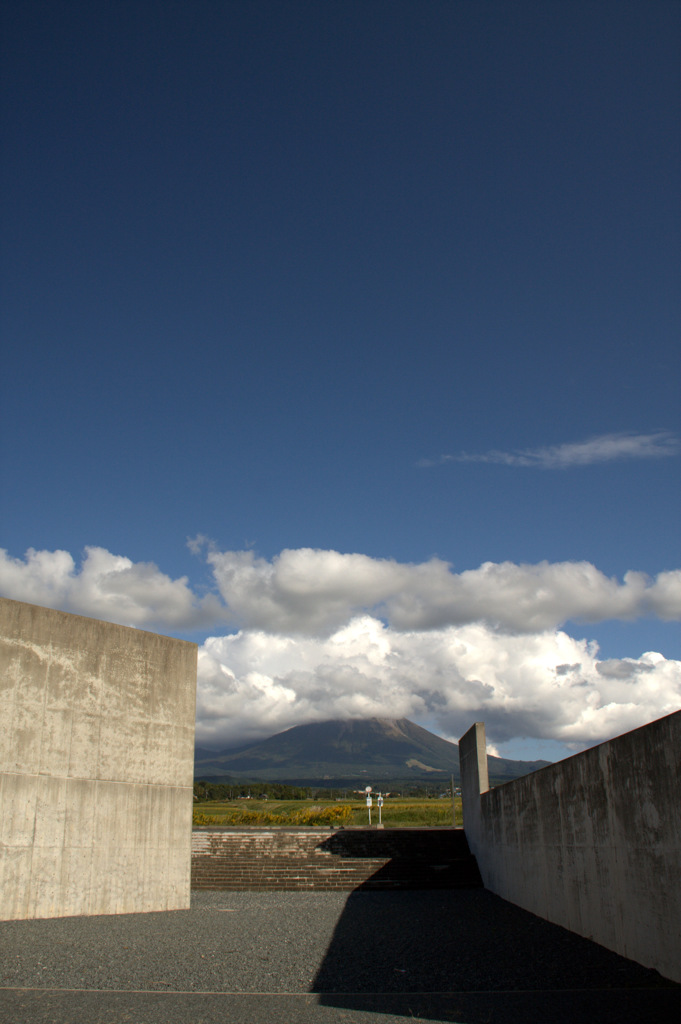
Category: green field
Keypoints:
(395, 813)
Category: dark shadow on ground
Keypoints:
(467, 956)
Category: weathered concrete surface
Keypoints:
(592, 843)
(96, 766)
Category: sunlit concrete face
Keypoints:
(96, 766)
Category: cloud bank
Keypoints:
(310, 591)
(605, 448)
(546, 685)
(320, 634)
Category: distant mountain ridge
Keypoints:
(337, 751)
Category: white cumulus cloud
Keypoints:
(547, 685)
(311, 591)
(107, 586)
(323, 635)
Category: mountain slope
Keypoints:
(346, 750)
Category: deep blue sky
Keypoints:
(261, 259)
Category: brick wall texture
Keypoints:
(345, 859)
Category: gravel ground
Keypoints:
(458, 955)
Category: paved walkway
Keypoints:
(462, 956)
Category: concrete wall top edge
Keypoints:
(548, 768)
(90, 618)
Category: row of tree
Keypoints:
(261, 791)
(204, 790)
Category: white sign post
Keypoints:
(380, 804)
(369, 801)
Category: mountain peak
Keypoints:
(346, 749)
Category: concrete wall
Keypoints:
(96, 766)
(592, 843)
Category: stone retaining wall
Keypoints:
(345, 859)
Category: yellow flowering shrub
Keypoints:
(337, 815)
